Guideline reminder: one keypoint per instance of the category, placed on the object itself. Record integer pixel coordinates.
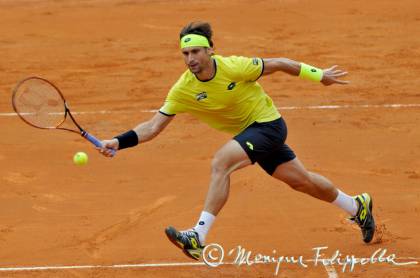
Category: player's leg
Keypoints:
(229, 158)
(297, 177)
(282, 163)
(360, 207)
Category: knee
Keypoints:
(219, 166)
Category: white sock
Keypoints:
(203, 225)
(346, 202)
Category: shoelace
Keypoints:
(356, 220)
(185, 235)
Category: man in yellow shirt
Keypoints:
(224, 93)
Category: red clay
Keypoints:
(122, 56)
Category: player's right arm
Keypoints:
(148, 130)
(145, 131)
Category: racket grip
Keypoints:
(95, 141)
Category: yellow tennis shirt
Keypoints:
(230, 101)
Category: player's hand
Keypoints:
(107, 146)
(331, 76)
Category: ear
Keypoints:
(210, 51)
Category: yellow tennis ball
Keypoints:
(80, 158)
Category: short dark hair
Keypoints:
(198, 28)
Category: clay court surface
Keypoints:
(121, 58)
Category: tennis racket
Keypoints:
(39, 103)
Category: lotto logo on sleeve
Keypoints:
(255, 61)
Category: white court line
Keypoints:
(13, 114)
(349, 106)
(156, 265)
(310, 107)
(65, 267)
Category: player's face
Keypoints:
(196, 58)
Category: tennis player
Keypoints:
(224, 93)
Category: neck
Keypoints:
(208, 72)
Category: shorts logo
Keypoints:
(250, 146)
(201, 223)
(201, 96)
(231, 86)
(187, 39)
(255, 61)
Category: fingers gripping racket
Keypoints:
(39, 103)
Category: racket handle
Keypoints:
(95, 141)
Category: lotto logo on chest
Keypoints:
(231, 86)
(201, 96)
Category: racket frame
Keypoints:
(81, 131)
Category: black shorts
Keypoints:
(264, 143)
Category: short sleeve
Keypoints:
(249, 69)
(171, 106)
(168, 108)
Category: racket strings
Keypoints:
(39, 103)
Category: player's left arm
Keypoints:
(329, 76)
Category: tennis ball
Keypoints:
(80, 158)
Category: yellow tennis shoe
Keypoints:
(364, 217)
(187, 241)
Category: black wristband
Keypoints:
(127, 140)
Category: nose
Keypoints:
(190, 58)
